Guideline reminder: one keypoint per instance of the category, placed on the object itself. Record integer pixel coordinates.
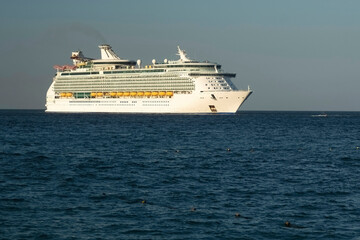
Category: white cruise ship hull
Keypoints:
(115, 85)
(194, 103)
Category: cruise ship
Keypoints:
(116, 85)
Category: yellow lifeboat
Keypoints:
(93, 94)
(62, 94)
(99, 94)
(170, 94)
(147, 94)
(69, 94)
(154, 93)
(140, 93)
(126, 94)
(81, 64)
(113, 94)
(119, 94)
(162, 93)
(133, 94)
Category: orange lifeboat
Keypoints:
(93, 94)
(154, 93)
(62, 94)
(133, 94)
(119, 94)
(126, 94)
(99, 94)
(140, 94)
(170, 94)
(69, 94)
(113, 94)
(147, 94)
(162, 93)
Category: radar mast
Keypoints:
(182, 55)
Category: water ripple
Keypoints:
(113, 176)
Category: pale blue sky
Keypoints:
(295, 55)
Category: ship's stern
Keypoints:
(50, 98)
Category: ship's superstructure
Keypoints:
(112, 84)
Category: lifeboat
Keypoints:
(81, 64)
(99, 94)
(147, 94)
(170, 94)
(126, 94)
(69, 94)
(162, 93)
(154, 93)
(119, 94)
(62, 94)
(113, 94)
(133, 94)
(140, 93)
(93, 94)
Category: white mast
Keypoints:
(182, 55)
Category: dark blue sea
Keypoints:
(242, 176)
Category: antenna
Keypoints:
(182, 54)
